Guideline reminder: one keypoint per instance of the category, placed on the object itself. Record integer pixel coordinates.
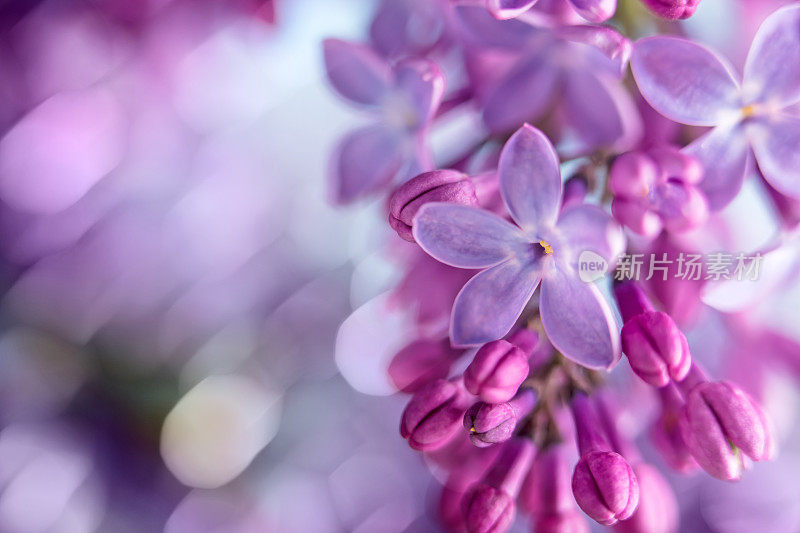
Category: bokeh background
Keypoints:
(173, 279)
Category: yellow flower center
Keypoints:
(547, 248)
(749, 110)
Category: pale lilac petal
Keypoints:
(724, 153)
(600, 110)
(490, 303)
(421, 83)
(684, 81)
(588, 227)
(508, 9)
(478, 27)
(366, 159)
(610, 42)
(595, 10)
(523, 94)
(776, 144)
(530, 179)
(578, 319)
(466, 237)
(772, 70)
(355, 71)
(406, 27)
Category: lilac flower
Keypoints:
(489, 507)
(543, 246)
(434, 415)
(496, 372)
(603, 482)
(404, 99)
(721, 424)
(434, 186)
(421, 362)
(591, 10)
(407, 27)
(657, 190)
(576, 68)
(546, 494)
(656, 349)
(692, 85)
(672, 9)
(492, 423)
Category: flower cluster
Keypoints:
(566, 161)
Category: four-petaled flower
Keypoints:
(543, 246)
(692, 85)
(404, 98)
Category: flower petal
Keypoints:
(355, 71)
(422, 85)
(490, 303)
(684, 81)
(366, 159)
(588, 227)
(530, 179)
(523, 94)
(724, 153)
(466, 237)
(595, 10)
(600, 111)
(776, 143)
(578, 319)
(772, 70)
(508, 9)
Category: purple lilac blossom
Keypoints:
(403, 97)
(543, 246)
(690, 84)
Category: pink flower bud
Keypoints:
(489, 507)
(489, 424)
(435, 186)
(434, 415)
(720, 424)
(496, 372)
(421, 362)
(656, 349)
(603, 482)
(672, 9)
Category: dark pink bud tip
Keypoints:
(672, 9)
(496, 372)
(605, 487)
(434, 415)
(488, 510)
(720, 424)
(436, 186)
(656, 348)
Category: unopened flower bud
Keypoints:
(489, 424)
(720, 424)
(489, 507)
(657, 189)
(421, 362)
(658, 508)
(434, 186)
(656, 349)
(546, 494)
(603, 482)
(496, 372)
(672, 9)
(434, 415)
(666, 435)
